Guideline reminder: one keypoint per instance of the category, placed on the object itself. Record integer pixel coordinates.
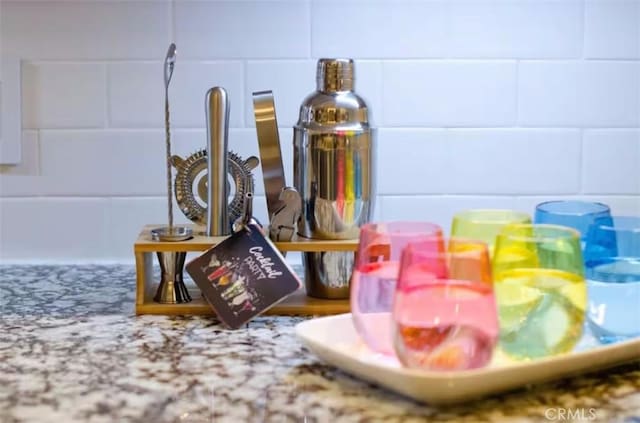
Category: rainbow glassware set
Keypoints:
(531, 287)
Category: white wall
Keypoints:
(479, 104)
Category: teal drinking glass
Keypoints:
(575, 214)
(612, 268)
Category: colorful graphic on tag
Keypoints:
(243, 276)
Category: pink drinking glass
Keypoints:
(444, 313)
(373, 281)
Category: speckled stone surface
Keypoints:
(71, 349)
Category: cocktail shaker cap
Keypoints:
(335, 75)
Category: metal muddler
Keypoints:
(217, 111)
(171, 289)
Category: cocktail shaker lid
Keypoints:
(334, 106)
(335, 75)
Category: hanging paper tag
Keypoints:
(243, 276)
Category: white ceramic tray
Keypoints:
(334, 340)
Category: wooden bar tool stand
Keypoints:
(296, 304)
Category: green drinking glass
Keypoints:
(485, 224)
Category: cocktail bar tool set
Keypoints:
(319, 215)
(201, 196)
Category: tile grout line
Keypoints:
(39, 151)
(430, 60)
(245, 92)
(453, 196)
(310, 15)
(381, 114)
(135, 129)
(583, 46)
(172, 21)
(107, 101)
(517, 93)
(581, 174)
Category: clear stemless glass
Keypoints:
(612, 262)
(373, 282)
(485, 224)
(578, 215)
(444, 313)
(540, 288)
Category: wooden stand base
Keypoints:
(296, 304)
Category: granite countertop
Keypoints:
(71, 349)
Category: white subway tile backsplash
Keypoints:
(368, 85)
(300, 81)
(93, 30)
(246, 29)
(30, 164)
(127, 216)
(478, 104)
(288, 92)
(23, 179)
(612, 29)
(53, 228)
(516, 29)
(447, 93)
(528, 203)
(583, 94)
(611, 162)
(188, 141)
(620, 205)
(412, 161)
(376, 215)
(189, 87)
(102, 163)
(418, 161)
(136, 95)
(10, 109)
(438, 209)
(63, 95)
(513, 161)
(379, 29)
(260, 210)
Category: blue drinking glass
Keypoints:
(578, 215)
(612, 267)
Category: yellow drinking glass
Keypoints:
(485, 224)
(540, 289)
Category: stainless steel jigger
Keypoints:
(172, 289)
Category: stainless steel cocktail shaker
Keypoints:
(333, 172)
